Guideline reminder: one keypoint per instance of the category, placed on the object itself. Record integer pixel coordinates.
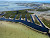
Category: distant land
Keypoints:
(28, 1)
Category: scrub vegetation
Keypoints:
(43, 9)
(46, 22)
(18, 13)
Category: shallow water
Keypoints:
(9, 6)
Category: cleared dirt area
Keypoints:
(16, 30)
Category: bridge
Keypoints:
(30, 24)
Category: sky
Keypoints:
(24, 0)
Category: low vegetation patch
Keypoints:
(18, 13)
(43, 9)
(36, 21)
(46, 22)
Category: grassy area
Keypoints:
(16, 30)
(46, 22)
